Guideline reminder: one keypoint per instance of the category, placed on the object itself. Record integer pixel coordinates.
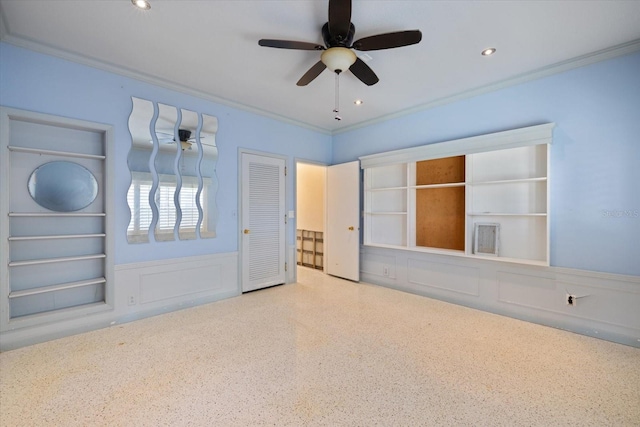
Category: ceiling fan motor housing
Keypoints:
(184, 134)
(338, 40)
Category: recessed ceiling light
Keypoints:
(489, 51)
(141, 4)
(358, 102)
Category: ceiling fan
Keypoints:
(337, 53)
(183, 134)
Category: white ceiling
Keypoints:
(211, 47)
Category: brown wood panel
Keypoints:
(440, 217)
(440, 171)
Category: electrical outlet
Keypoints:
(132, 300)
(385, 271)
(571, 299)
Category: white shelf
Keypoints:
(386, 189)
(385, 213)
(54, 288)
(55, 153)
(388, 200)
(508, 165)
(55, 260)
(425, 249)
(449, 185)
(542, 214)
(389, 176)
(507, 185)
(55, 214)
(509, 181)
(55, 237)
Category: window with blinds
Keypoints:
(138, 197)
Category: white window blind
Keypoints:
(138, 197)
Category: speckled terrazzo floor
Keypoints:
(322, 352)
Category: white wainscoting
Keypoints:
(607, 305)
(157, 286)
(142, 290)
(451, 277)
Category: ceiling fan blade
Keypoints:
(339, 18)
(311, 74)
(289, 44)
(388, 40)
(364, 72)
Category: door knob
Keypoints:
(246, 231)
(351, 228)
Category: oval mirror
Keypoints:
(63, 186)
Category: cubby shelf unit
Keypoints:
(500, 178)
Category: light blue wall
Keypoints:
(595, 174)
(45, 84)
(595, 157)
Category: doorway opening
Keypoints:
(311, 183)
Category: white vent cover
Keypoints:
(486, 238)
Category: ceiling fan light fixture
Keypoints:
(338, 59)
(489, 51)
(141, 4)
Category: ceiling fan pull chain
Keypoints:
(337, 109)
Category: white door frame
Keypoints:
(239, 216)
(296, 161)
(326, 235)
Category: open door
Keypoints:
(343, 221)
(263, 221)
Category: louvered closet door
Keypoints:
(263, 222)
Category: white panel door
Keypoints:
(343, 220)
(263, 221)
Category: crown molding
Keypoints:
(522, 137)
(145, 78)
(570, 64)
(4, 26)
(577, 62)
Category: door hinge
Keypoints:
(285, 266)
(285, 171)
(285, 218)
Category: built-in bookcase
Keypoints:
(436, 202)
(510, 188)
(56, 242)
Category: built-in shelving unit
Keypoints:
(431, 198)
(56, 263)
